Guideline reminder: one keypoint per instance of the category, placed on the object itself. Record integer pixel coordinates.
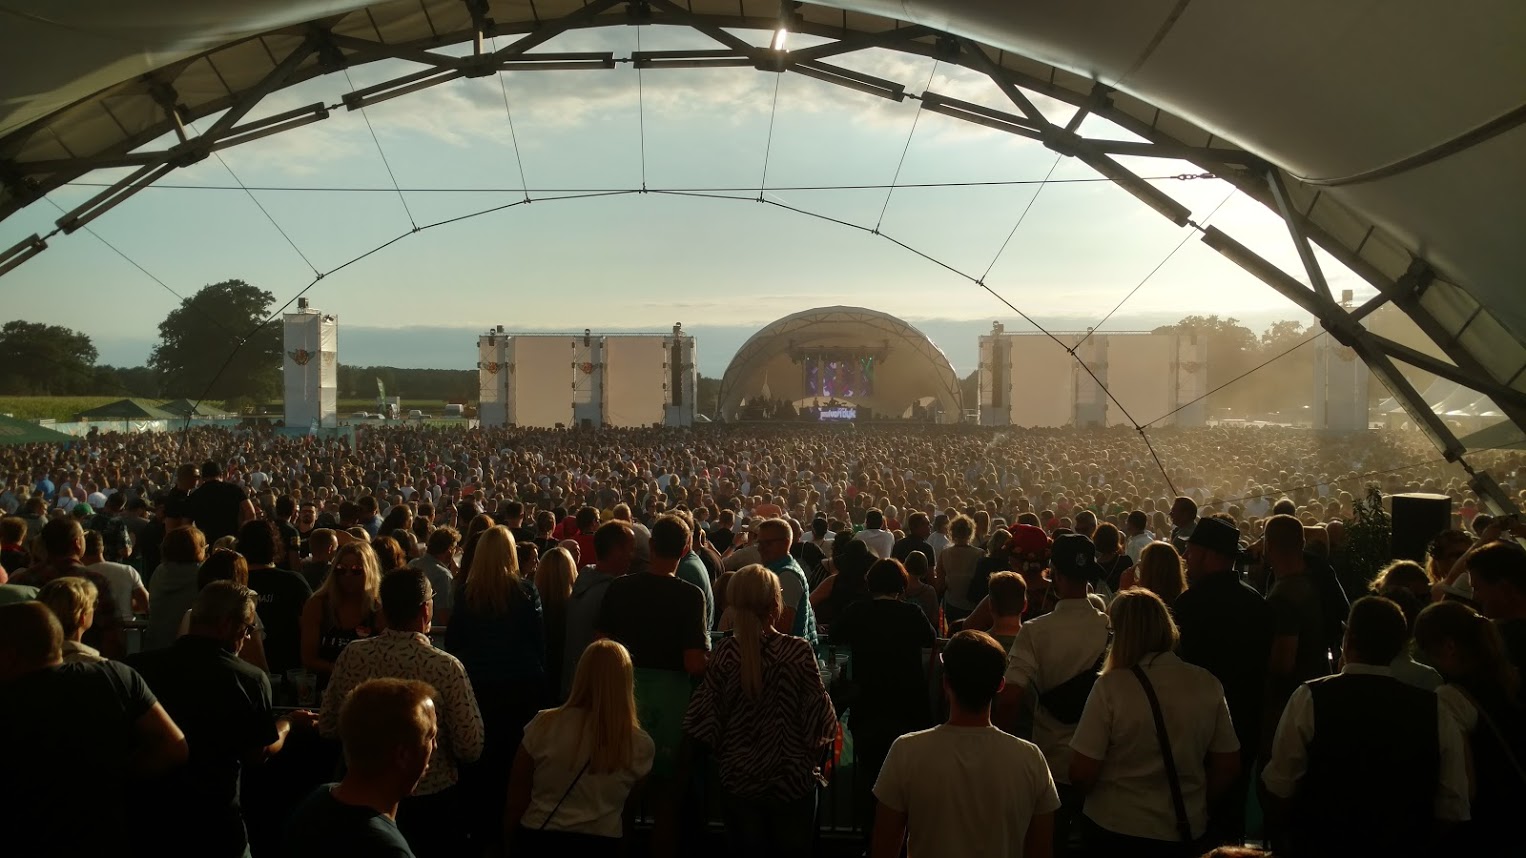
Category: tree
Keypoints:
(1232, 350)
(204, 333)
(45, 360)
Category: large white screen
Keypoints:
(542, 386)
(634, 374)
(1139, 376)
(1043, 383)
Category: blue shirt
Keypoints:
(47, 488)
(693, 570)
(797, 594)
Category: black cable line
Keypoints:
(166, 186)
(261, 207)
(1191, 234)
(768, 144)
(513, 137)
(385, 163)
(1021, 217)
(916, 117)
(1298, 345)
(134, 263)
(641, 112)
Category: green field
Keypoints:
(60, 408)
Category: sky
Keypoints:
(642, 261)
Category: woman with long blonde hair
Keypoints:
(1159, 570)
(1144, 690)
(555, 574)
(346, 608)
(497, 631)
(578, 763)
(764, 713)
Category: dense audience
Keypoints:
(579, 643)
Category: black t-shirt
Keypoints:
(1298, 610)
(657, 617)
(223, 706)
(1226, 628)
(323, 827)
(283, 594)
(291, 538)
(215, 508)
(1514, 634)
(907, 544)
(887, 637)
(63, 773)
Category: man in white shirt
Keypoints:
(965, 787)
(127, 590)
(1389, 767)
(1136, 526)
(880, 541)
(1048, 660)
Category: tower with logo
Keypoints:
(310, 368)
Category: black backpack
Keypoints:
(1066, 700)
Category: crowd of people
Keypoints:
(1018, 642)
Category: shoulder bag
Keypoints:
(1183, 825)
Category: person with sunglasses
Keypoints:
(345, 609)
(224, 706)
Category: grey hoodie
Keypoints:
(582, 611)
(171, 590)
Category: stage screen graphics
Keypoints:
(635, 380)
(1140, 375)
(541, 390)
(847, 377)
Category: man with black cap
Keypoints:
(1226, 628)
(1056, 657)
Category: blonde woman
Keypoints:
(497, 631)
(346, 608)
(1159, 570)
(555, 574)
(764, 714)
(1120, 764)
(578, 763)
(72, 600)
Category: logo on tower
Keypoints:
(301, 356)
(491, 367)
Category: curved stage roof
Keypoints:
(912, 367)
(1387, 134)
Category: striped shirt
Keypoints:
(771, 745)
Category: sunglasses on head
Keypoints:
(350, 570)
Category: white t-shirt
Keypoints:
(124, 581)
(553, 739)
(1133, 796)
(880, 542)
(1049, 651)
(967, 791)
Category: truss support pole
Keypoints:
(1291, 217)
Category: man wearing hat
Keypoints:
(1226, 628)
(1056, 658)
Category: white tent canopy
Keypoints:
(1388, 134)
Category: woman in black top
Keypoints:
(1110, 555)
(846, 584)
(888, 693)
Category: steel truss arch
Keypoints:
(49, 142)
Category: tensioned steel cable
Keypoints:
(385, 163)
(768, 143)
(916, 117)
(641, 112)
(1192, 233)
(259, 205)
(503, 87)
(1257, 368)
(146, 273)
(1044, 182)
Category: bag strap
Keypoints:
(559, 801)
(1183, 826)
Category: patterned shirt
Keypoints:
(771, 745)
(410, 655)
